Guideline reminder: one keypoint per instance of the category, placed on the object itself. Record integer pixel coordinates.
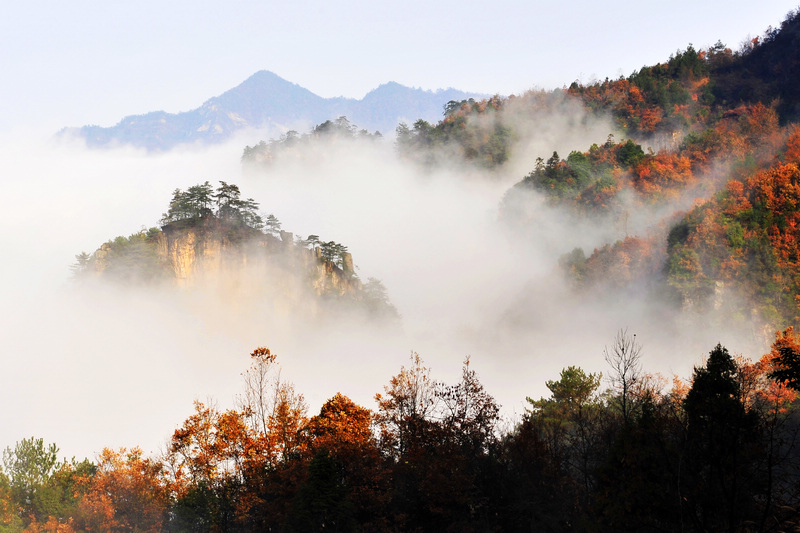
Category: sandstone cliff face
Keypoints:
(192, 253)
(202, 253)
(329, 279)
(258, 273)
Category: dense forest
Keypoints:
(709, 149)
(293, 145)
(718, 452)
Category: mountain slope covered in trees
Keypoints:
(699, 184)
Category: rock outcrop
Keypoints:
(243, 266)
(205, 251)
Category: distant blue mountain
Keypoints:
(268, 103)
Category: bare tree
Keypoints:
(624, 357)
(257, 384)
(409, 403)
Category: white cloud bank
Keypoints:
(94, 367)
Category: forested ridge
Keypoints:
(708, 142)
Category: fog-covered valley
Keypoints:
(121, 365)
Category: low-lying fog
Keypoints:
(89, 368)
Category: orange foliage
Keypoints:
(627, 260)
(760, 125)
(285, 423)
(678, 393)
(208, 448)
(662, 173)
(735, 201)
(792, 154)
(778, 190)
(343, 429)
(262, 353)
(759, 390)
(7, 510)
(650, 119)
(341, 422)
(53, 525)
(128, 493)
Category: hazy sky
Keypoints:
(93, 62)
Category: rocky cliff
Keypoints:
(206, 251)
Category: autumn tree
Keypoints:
(464, 444)
(128, 493)
(341, 434)
(439, 441)
(274, 411)
(255, 402)
(205, 459)
(274, 460)
(785, 359)
(774, 403)
(469, 412)
(410, 438)
(407, 403)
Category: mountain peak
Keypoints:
(272, 105)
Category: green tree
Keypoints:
(199, 199)
(82, 261)
(29, 467)
(574, 391)
(629, 154)
(272, 225)
(377, 301)
(721, 485)
(333, 252)
(312, 241)
(570, 424)
(40, 485)
(228, 202)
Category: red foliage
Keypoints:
(664, 173)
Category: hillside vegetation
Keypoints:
(709, 143)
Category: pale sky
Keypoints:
(94, 62)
